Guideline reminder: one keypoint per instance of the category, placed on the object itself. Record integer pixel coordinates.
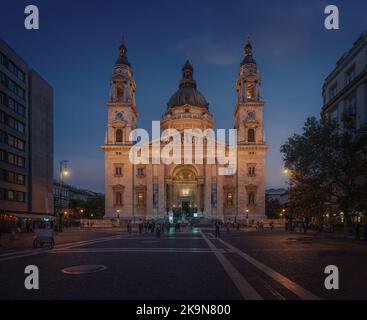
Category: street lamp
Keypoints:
(63, 172)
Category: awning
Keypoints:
(30, 216)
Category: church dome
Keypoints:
(187, 96)
(187, 92)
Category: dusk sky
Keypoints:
(77, 45)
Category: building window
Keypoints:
(16, 71)
(250, 91)
(12, 158)
(15, 106)
(2, 59)
(119, 198)
(141, 199)
(11, 141)
(10, 195)
(229, 199)
(118, 136)
(118, 171)
(251, 198)
(251, 135)
(12, 67)
(332, 91)
(120, 91)
(15, 124)
(141, 172)
(12, 86)
(251, 171)
(350, 105)
(350, 75)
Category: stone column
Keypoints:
(202, 203)
(197, 198)
(172, 189)
(168, 196)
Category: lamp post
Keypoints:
(288, 172)
(63, 172)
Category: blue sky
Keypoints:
(77, 43)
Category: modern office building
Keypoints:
(345, 88)
(26, 138)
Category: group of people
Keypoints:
(152, 226)
(298, 225)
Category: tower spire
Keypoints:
(122, 58)
(187, 75)
(248, 54)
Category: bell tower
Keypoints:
(249, 106)
(122, 119)
(122, 114)
(251, 144)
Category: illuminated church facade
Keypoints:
(184, 191)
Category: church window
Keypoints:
(229, 199)
(251, 171)
(141, 199)
(141, 171)
(251, 198)
(120, 92)
(118, 136)
(251, 135)
(118, 171)
(250, 91)
(119, 198)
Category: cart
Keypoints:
(43, 237)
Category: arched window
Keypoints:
(118, 136)
(251, 198)
(250, 91)
(251, 135)
(120, 92)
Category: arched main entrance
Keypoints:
(185, 199)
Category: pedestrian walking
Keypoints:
(271, 225)
(217, 229)
(158, 231)
(305, 224)
(358, 231)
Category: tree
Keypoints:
(328, 169)
(272, 207)
(93, 207)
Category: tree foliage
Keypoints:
(327, 169)
(93, 207)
